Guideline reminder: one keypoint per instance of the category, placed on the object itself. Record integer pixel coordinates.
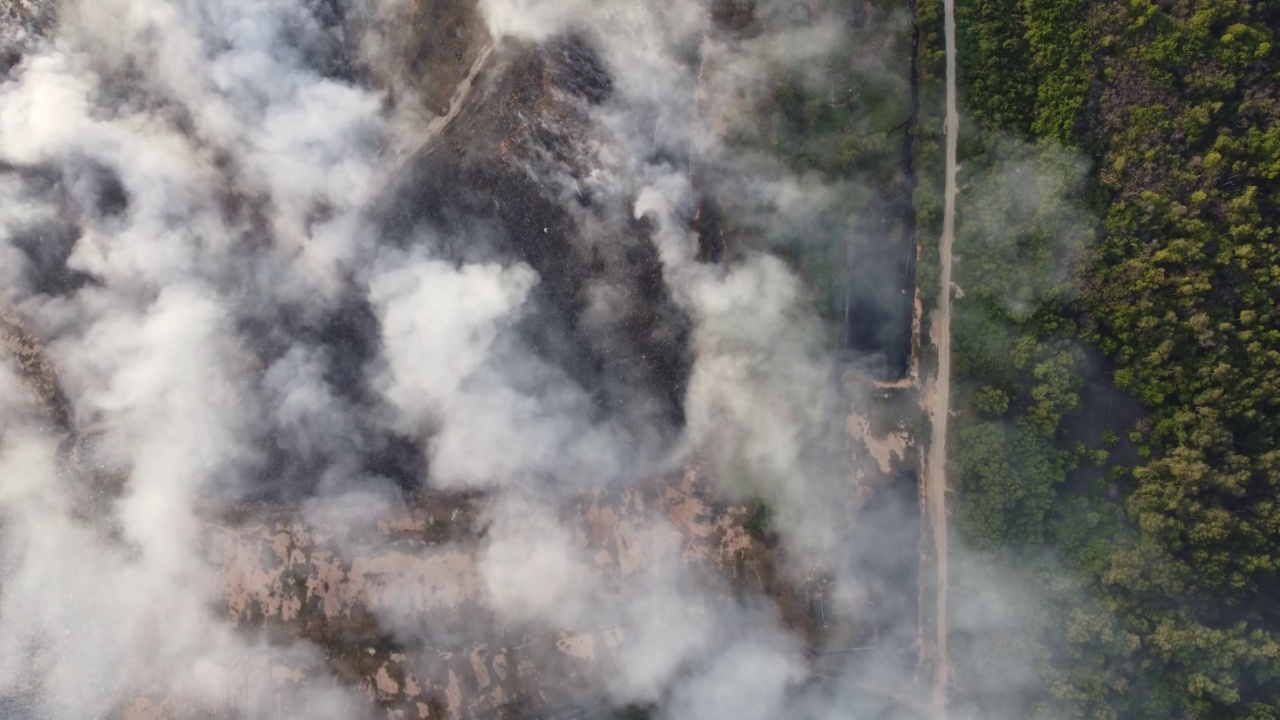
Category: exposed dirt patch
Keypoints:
(37, 374)
(884, 449)
(292, 579)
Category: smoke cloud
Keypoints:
(348, 357)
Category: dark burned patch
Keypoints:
(882, 550)
(578, 68)
(708, 225)
(879, 299)
(341, 336)
(9, 57)
(344, 339)
(735, 18)
(323, 38)
(97, 190)
(499, 184)
(732, 20)
(46, 246)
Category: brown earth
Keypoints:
(293, 580)
(936, 396)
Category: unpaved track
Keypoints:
(436, 126)
(938, 401)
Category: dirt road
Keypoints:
(938, 400)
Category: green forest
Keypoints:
(1115, 451)
(1117, 351)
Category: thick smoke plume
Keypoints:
(276, 258)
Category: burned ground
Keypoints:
(396, 607)
(505, 182)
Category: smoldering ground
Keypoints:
(464, 391)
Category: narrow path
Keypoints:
(436, 126)
(939, 400)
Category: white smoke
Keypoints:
(189, 109)
(212, 215)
